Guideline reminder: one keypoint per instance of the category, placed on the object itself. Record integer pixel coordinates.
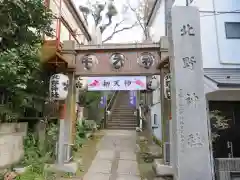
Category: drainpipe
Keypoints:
(216, 30)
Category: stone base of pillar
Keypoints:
(162, 170)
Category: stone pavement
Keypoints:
(116, 157)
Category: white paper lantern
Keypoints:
(153, 83)
(58, 86)
(81, 83)
(167, 86)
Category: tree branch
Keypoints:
(112, 11)
(139, 19)
(95, 10)
(115, 31)
(104, 27)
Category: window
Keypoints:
(232, 30)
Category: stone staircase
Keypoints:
(122, 114)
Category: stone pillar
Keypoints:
(189, 116)
(70, 55)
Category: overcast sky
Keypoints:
(132, 35)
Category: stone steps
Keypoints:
(125, 123)
(122, 127)
(122, 116)
(125, 111)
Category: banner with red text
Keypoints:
(117, 83)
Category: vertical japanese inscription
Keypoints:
(55, 86)
(181, 119)
(192, 99)
(187, 30)
(194, 140)
(188, 61)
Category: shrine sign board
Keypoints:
(117, 83)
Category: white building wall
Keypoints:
(157, 28)
(217, 50)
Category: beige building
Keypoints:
(69, 24)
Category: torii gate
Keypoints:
(95, 60)
(190, 140)
(99, 58)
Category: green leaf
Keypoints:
(23, 22)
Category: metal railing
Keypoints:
(108, 108)
(110, 104)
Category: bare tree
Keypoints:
(99, 11)
(140, 14)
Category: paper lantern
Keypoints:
(81, 83)
(167, 86)
(153, 83)
(58, 86)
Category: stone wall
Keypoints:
(11, 143)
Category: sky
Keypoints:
(132, 35)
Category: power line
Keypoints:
(219, 13)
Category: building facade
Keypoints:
(69, 24)
(220, 38)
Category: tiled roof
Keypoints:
(223, 76)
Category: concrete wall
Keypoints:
(11, 143)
